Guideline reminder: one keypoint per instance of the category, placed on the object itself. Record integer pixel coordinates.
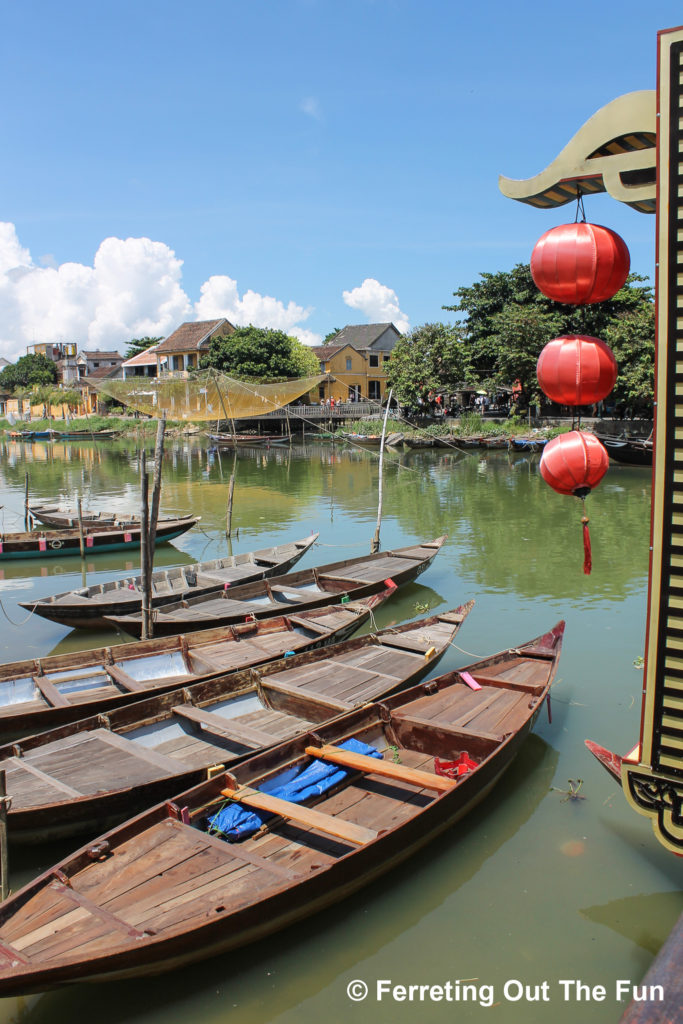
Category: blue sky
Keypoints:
(172, 161)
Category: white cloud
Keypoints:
(134, 288)
(310, 106)
(305, 336)
(219, 297)
(378, 303)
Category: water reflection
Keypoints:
(645, 919)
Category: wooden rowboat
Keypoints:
(166, 889)
(67, 518)
(106, 767)
(45, 692)
(86, 608)
(241, 440)
(55, 543)
(635, 451)
(307, 588)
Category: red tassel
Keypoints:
(587, 559)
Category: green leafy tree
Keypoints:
(331, 335)
(429, 357)
(258, 353)
(138, 345)
(506, 321)
(28, 371)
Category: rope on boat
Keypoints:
(11, 621)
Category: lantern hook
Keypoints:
(580, 217)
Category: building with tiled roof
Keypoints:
(89, 361)
(356, 357)
(184, 348)
(144, 364)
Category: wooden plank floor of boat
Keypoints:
(173, 875)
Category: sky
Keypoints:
(296, 164)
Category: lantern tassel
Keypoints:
(587, 557)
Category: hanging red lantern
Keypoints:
(576, 370)
(580, 263)
(575, 463)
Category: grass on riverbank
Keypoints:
(124, 424)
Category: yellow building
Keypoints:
(183, 349)
(357, 358)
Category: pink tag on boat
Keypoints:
(88, 541)
(128, 537)
(390, 584)
(42, 544)
(0, 547)
(470, 680)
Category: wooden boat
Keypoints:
(418, 442)
(529, 444)
(106, 767)
(87, 607)
(67, 518)
(472, 441)
(374, 440)
(635, 451)
(167, 889)
(496, 443)
(240, 440)
(84, 435)
(307, 588)
(46, 543)
(41, 693)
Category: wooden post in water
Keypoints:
(4, 863)
(81, 540)
(374, 547)
(26, 503)
(144, 548)
(156, 493)
(231, 489)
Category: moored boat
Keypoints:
(106, 767)
(87, 607)
(241, 440)
(307, 588)
(634, 451)
(41, 693)
(244, 854)
(57, 518)
(56, 543)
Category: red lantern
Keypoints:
(576, 370)
(580, 263)
(574, 463)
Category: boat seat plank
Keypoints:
(312, 624)
(375, 766)
(191, 751)
(137, 751)
(95, 909)
(291, 690)
(47, 780)
(457, 732)
(123, 679)
(246, 735)
(50, 692)
(406, 643)
(239, 852)
(305, 815)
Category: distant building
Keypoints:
(357, 357)
(144, 364)
(62, 353)
(87, 362)
(182, 350)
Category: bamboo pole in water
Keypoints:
(26, 503)
(374, 547)
(81, 539)
(4, 860)
(231, 489)
(144, 548)
(156, 492)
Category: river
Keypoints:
(531, 889)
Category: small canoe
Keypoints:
(84, 435)
(41, 693)
(286, 833)
(307, 588)
(241, 440)
(418, 442)
(529, 444)
(374, 440)
(87, 607)
(106, 767)
(67, 518)
(634, 451)
(57, 543)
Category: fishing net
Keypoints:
(205, 396)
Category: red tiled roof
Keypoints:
(189, 337)
(148, 357)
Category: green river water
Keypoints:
(530, 888)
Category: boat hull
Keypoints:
(57, 544)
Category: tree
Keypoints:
(506, 321)
(258, 353)
(429, 357)
(331, 335)
(28, 371)
(138, 345)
